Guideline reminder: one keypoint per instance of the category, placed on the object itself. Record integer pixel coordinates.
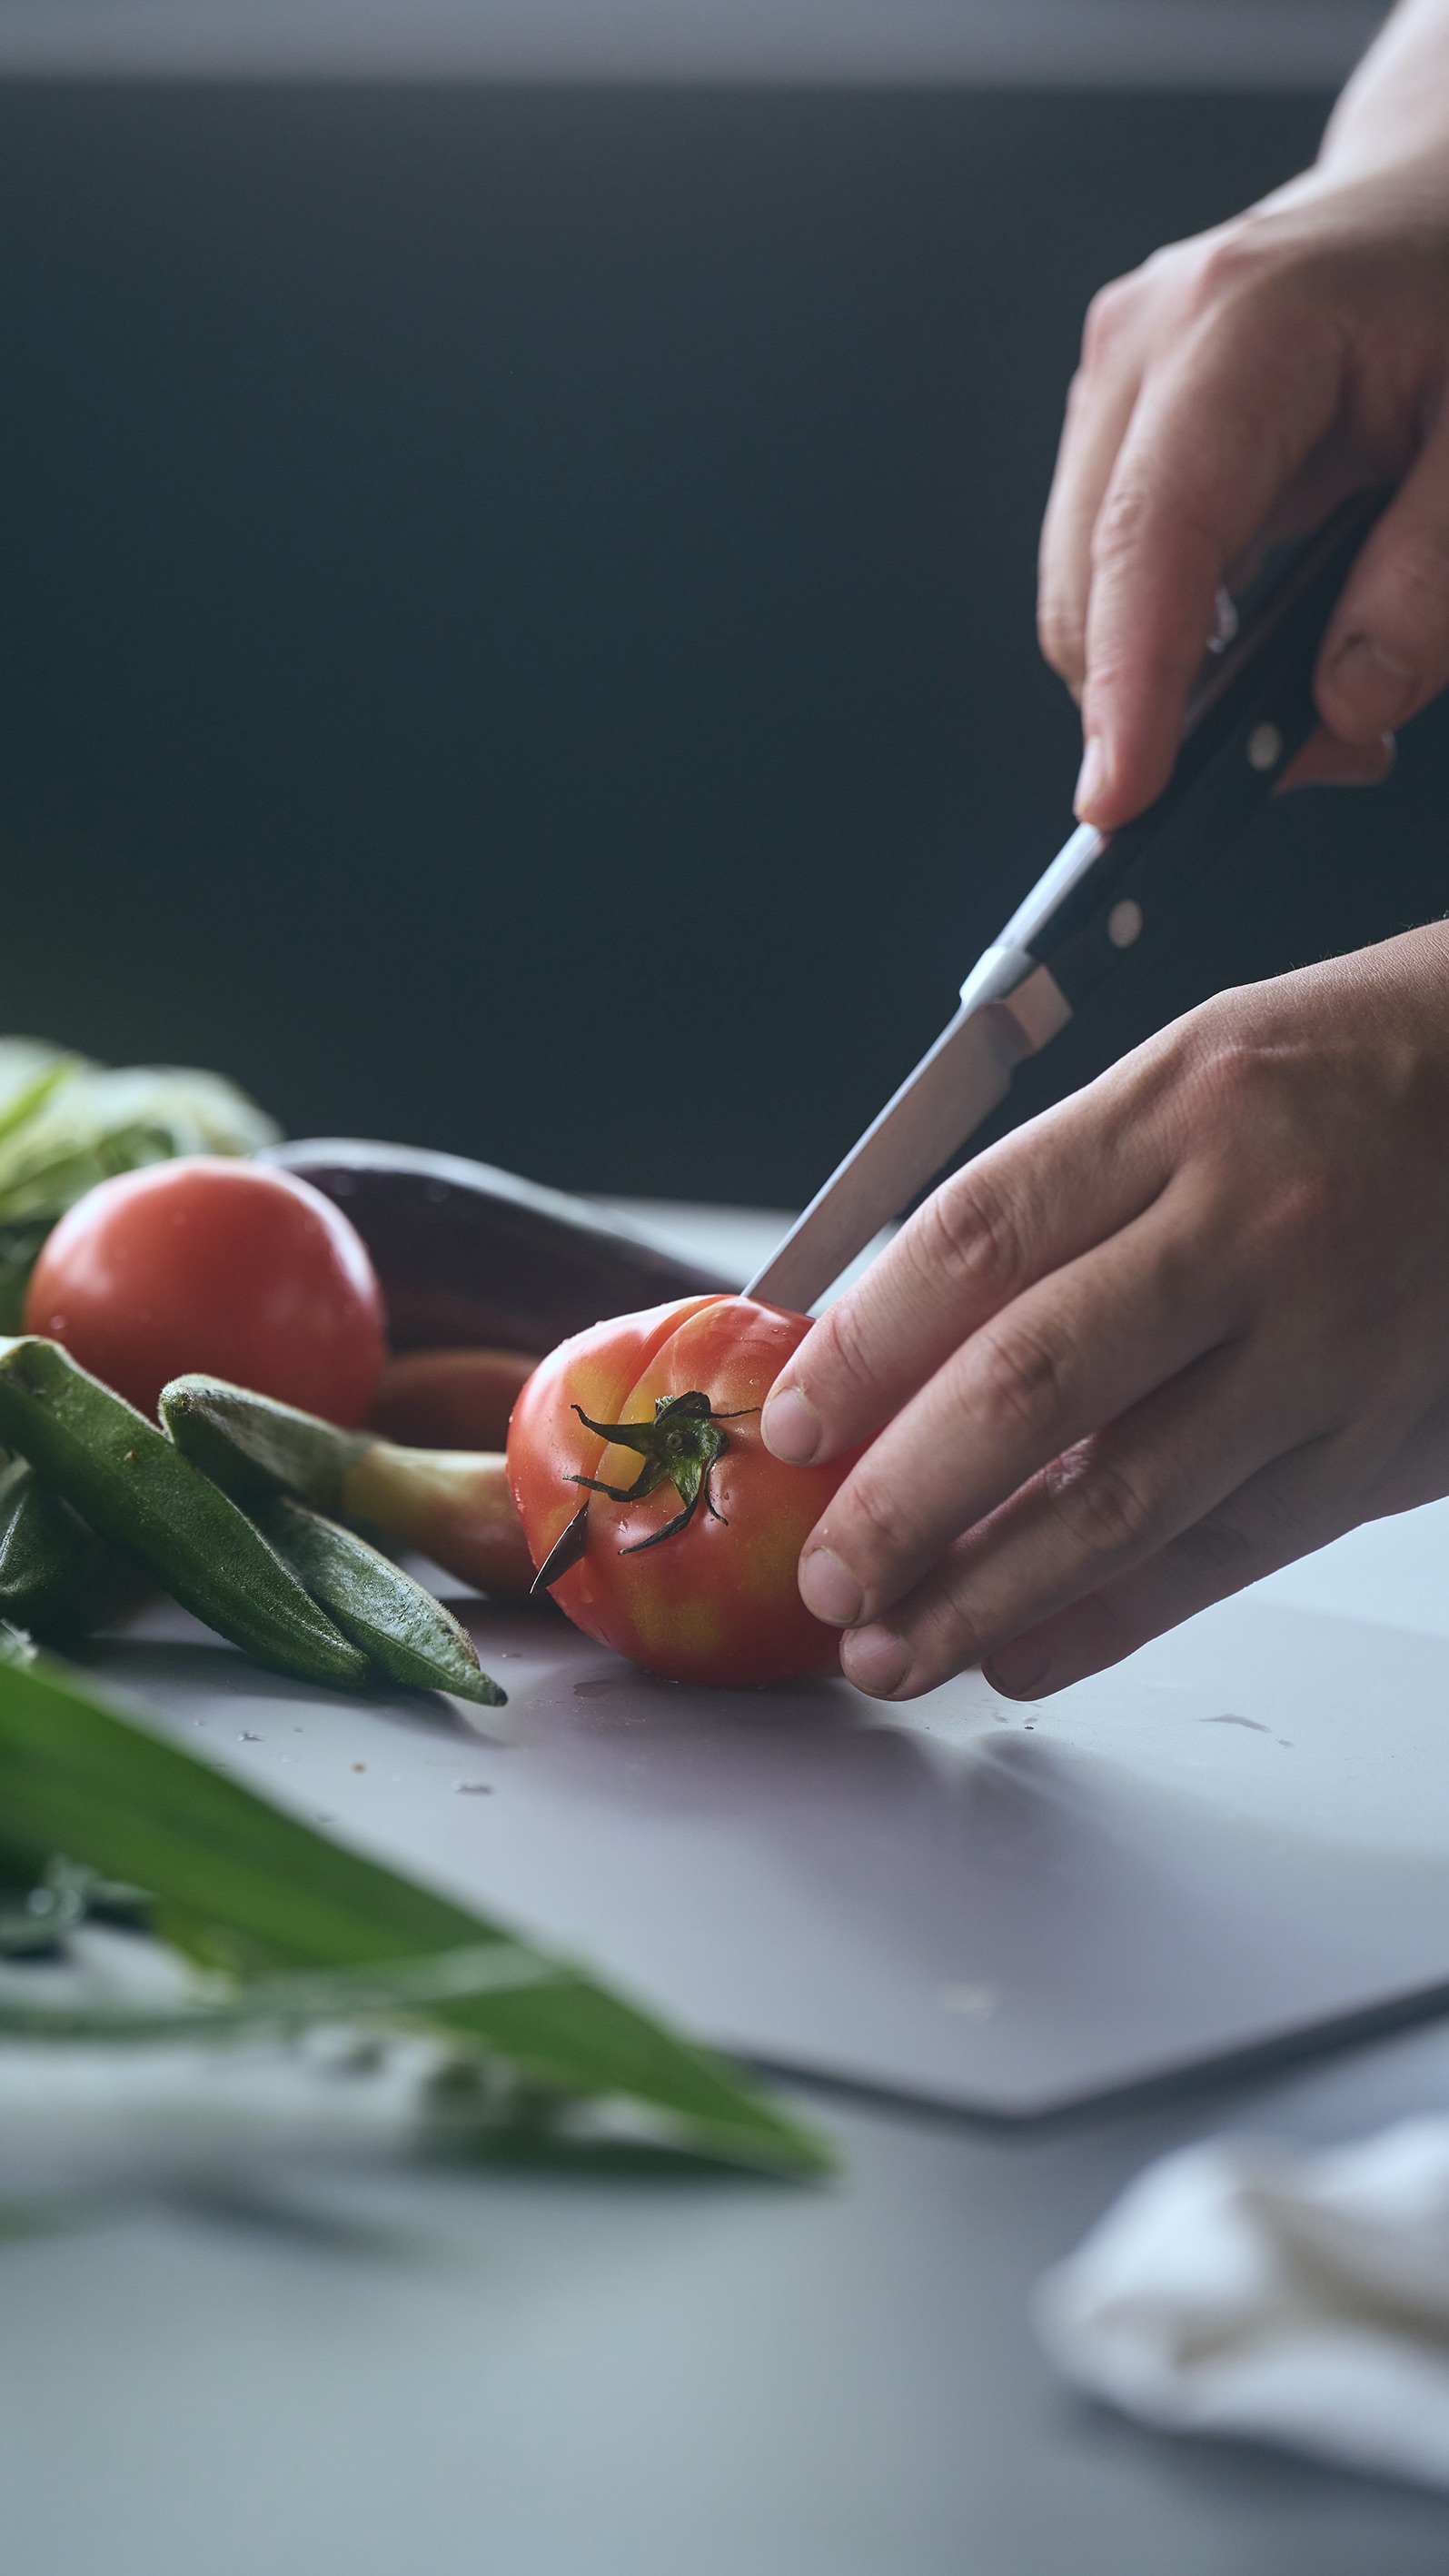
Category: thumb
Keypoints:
(1324, 761)
(1386, 653)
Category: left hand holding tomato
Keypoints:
(715, 1598)
(1187, 1326)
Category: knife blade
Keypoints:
(1249, 713)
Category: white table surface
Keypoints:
(1240, 1836)
(229, 2363)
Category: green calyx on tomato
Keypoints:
(679, 1448)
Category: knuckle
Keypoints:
(1242, 1093)
(1124, 519)
(1060, 633)
(1145, 500)
(1262, 268)
(845, 1372)
(1224, 1079)
(971, 1233)
(1187, 283)
(945, 1620)
(1023, 1380)
(1107, 1512)
(874, 1532)
(1108, 315)
(950, 1639)
(1221, 1547)
(1233, 264)
(1228, 1063)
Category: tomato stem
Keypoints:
(681, 1447)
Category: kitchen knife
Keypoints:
(1249, 713)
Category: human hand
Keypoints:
(1232, 391)
(1185, 1327)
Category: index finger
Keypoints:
(1216, 437)
(1099, 406)
(1039, 1199)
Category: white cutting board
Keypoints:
(1239, 1836)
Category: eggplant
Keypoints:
(469, 1256)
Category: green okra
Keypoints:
(407, 1634)
(135, 1488)
(253, 1446)
(46, 1552)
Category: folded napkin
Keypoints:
(1243, 2288)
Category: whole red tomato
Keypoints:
(693, 1575)
(205, 1263)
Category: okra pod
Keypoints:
(404, 1631)
(135, 1488)
(46, 1552)
(252, 1445)
(453, 1504)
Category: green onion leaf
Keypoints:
(232, 1876)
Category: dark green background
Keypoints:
(516, 607)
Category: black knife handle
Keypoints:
(1250, 713)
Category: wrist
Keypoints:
(1395, 108)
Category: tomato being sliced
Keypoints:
(209, 1263)
(694, 1573)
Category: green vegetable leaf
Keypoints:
(250, 1882)
(66, 1124)
(31, 1091)
(406, 1991)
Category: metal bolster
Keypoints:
(996, 973)
(1009, 981)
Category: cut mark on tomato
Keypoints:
(565, 1552)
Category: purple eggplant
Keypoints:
(471, 1256)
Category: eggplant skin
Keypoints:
(470, 1256)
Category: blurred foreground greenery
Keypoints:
(275, 1929)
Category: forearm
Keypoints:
(1396, 106)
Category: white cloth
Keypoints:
(1244, 2288)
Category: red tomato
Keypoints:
(208, 1264)
(718, 1600)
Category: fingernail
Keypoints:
(1091, 777)
(1018, 1670)
(1372, 685)
(790, 1427)
(876, 1660)
(829, 1588)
